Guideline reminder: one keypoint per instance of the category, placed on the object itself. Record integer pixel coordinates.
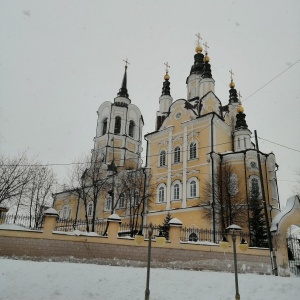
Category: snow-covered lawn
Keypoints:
(62, 280)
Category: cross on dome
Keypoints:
(206, 46)
(167, 67)
(231, 75)
(126, 62)
(199, 38)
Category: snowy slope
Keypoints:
(29, 280)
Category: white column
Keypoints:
(184, 166)
(169, 171)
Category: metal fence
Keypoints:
(127, 229)
(67, 225)
(194, 234)
(293, 245)
(26, 222)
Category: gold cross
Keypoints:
(199, 38)
(231, 74)
(126, 62)
(206, 46)
(167, 67)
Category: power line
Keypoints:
(272, 80)
(279, 144)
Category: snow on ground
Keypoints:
(62, 280)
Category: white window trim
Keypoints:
(162, 185)
(159, 159)
(189, 149)
(179, 161)
(106, 201)
(189, 196)
(173, 191)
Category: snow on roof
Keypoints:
(175, 222)
(51, 212)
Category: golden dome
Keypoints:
(231, 84)
(240, 109)
(198, 49)
(206, 58)
(167, 76)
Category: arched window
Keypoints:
(162, 158)
(122, 201)
(117, 125)
(108, 203)
(233, 184)
(176, 192)
(161, 193)
(104, 126)
(136, 199)
(193, 189)
(66, 212)
(193, 150)
(176, 155)
(131, 128)
(90, 209)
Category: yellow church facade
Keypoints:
(200, 164)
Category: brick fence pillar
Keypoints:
(50, 216)
(113, 227)
(174, 233)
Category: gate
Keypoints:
(293, 246)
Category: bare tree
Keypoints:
(132, 186)
(87, 181)
(39, 190)
(14, 176)
(224, 198)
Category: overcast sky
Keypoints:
(59, 60)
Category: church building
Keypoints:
(201, 165)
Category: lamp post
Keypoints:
(231, 230)
(160, 240)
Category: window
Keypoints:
(136, 198)
(233, 185)
(193, 189)
(104, 126)
(117, 125)
(131, 128)
(193, 150)
(176, 191)
(90, 209)
(239, 143)
(162, 158)
(66, 213)
(177, 155)
(255, 188)
(245, 144)
(161, 193)
(122, 201)
(108, 203)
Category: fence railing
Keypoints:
(190, 234)
(24, 221)
(81, 225)
(127, 229)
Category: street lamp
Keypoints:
(160, 240)
(231, 230)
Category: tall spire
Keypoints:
(207, 69)
(233, 98)
(166, 84)
(198, 58)
(123, 90)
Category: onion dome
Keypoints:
(233, 98)
(241, 118)
(166, 85)
(206, 69)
